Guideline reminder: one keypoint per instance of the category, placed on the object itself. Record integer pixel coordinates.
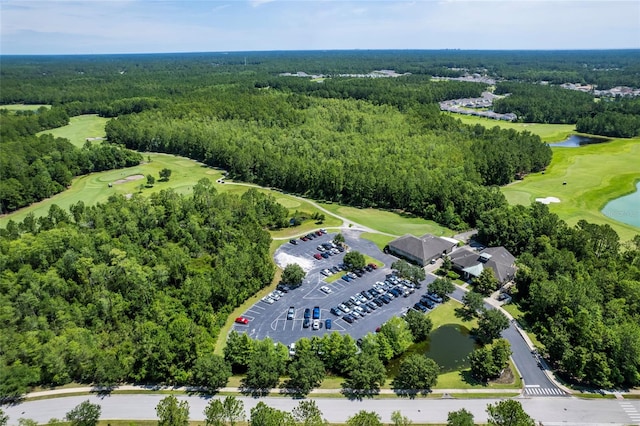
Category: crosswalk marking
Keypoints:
(630, 410)
(536, 390)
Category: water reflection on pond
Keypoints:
(625, 209)
(575, 141)
(448, 345)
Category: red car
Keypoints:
(318, 256)
(373, 265)
(242, 320)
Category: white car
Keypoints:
(326, 289)
(268, 300)
(316, 324)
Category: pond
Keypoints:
(575, 141)
(625, 209)
(448, 345)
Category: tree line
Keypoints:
(129, 290)
(580, 289)
(346, 151)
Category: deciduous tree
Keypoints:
(364, 418)
(307, 413)
(419, 324)
(461, 417)
(490, 324)
(84, 414)
(293, 275)
(417, 373)
(508, 413)
(263, 415)
(354, 260)
(172, 412)
(442, 287)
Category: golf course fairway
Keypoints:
(584, 179)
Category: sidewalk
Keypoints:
(275, 391)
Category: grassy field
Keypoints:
(80, 128)
(93, 188)
(594, 175)
(547, 132)
(23, 107)
(389, 222)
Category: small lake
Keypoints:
(575, 141)
(625, 209)
(448, 345)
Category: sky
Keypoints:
(157, 26)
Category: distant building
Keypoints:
(422, 250)
(471, 263)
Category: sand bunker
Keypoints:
(128, 179)
(548, 200)
(283, 259)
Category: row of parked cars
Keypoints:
(328, 249)
(367, 301)
(427, 301)
(311, 318)
(273, 297)
(352, 275)
(310, 236)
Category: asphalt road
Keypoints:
(549, 411)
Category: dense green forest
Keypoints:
(619, 117)
(36, 167)
(130, 290)
(580, 288)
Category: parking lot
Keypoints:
(270, 319)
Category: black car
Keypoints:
(307, 313)
(335, 311)
(420, 307)
(427, 302)
(348, 318)
(294, 242)
(306, 323)
(386, 299)
(325, 255)
(378, 301)
(434, 297)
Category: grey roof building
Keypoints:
(421, 250)
(471, 263)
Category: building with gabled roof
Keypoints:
(421, 250)
(471, 263)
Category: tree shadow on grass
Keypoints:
(358, 394)
(469, 379)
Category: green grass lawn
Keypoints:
(80, 128)
(595, 174)
(389, 222)
(381, 240)
(93, 188)
(547, 132)
(23, 107)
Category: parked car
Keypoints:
(434, 297)
(316, 312)
(326, 289)
(335, 269)
(292, 349)
(347, 278)
(420, 307)
(325, 272)
(307, 313)
(291, 313)
(318, 256)
(316, 324)
(335, 311)
(348, 318)
(320, 248)
(344, 308)
(267, 299)
(373, 266)
(427, 302)
(242, 320)
(325, 255)
(306, 323)
(327, 324)
(294, 242)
